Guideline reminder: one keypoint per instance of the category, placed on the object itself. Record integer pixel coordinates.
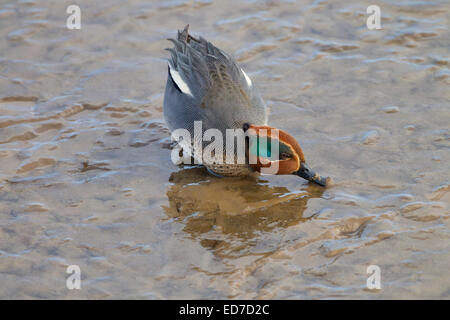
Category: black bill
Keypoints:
(307, 173)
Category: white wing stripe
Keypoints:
(179, 81)
(247, 78)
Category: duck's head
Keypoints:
(274, 151)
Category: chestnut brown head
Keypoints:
(274, 151)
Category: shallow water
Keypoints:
(86, 177)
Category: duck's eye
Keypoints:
(285, 155)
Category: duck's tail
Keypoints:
(185, 36)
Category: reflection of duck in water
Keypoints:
(206, 84)
(238, 207)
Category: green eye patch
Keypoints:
(262, 147)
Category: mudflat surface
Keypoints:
(86, 177)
